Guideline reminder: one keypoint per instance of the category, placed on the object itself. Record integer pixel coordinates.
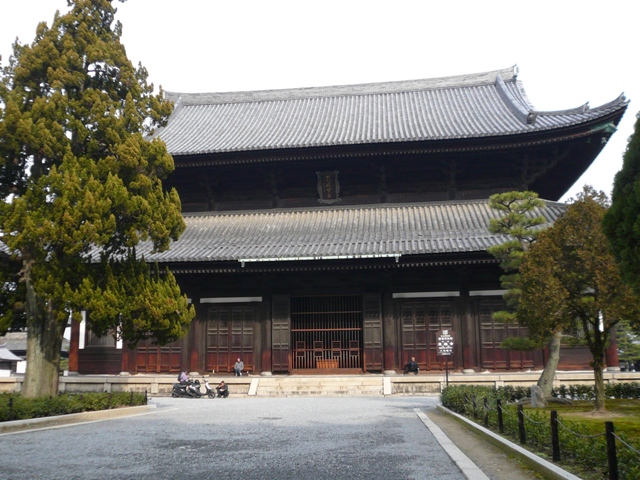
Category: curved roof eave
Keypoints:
(337, 233)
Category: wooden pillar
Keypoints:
(129, 359)
(390, 333)
(460, 312)
(193, 340)
(468, 334)
(74, 347)
(611, 354)
(265, 352)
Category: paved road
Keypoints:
(240, 438)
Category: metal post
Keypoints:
(521, 432)
(486, 412)
(555, 440)
(500, 421)
(446, 370)
(611, 451)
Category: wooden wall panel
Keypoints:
(281, 333)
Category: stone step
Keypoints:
(314, 385)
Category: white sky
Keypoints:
(568, 52)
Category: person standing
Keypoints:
(238, 367)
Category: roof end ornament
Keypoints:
(525, 115)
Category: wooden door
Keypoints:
(159, 359)
(493, 333)
(229, 336)
(420, 320)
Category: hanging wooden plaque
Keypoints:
(328, 187)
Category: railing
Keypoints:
(607, 452)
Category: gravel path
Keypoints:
(240, 438)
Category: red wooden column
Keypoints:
(467, 339)
(611, 354)
(74, 347)
(129, 359)
(197, 331)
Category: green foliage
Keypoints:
(582, 446)
(622, 221)
(12, 291)
(520, 344)
(518, 222)
(79, 175)
(147, 305)
(628, 342)
(570, 280)
(14, 406)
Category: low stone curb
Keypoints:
(72, 418)
(539, 465)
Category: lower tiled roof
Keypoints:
(337, 232)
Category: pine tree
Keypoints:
(83, 186)
(519, 222)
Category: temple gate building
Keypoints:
(337, 229)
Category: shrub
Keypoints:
(15, 407)
(577, 444)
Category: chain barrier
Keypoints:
(615, 463)
(627, 445)
(544, 422)
(578, 434)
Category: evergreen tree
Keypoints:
(570, 278)
(622, 221)
(83, 186)
(628, 343)
(519, 222)
(11, 295)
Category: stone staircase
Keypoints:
(316, 385)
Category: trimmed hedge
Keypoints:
(14, 406)
(454, 395)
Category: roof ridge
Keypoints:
(333, 208)
(454, 81)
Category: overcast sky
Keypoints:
(568, 52)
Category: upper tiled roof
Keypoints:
(337, 232)
(478, 105)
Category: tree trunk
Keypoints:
(545, 382)
(44, 341)
(599, 386)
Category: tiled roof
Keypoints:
(478, 105)
(7, 355)
(337, 232)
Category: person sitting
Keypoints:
(238, 367)
(223, 390)
(184, 378)
(412, 366)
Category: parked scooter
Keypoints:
(192, 389)
(180, 389)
